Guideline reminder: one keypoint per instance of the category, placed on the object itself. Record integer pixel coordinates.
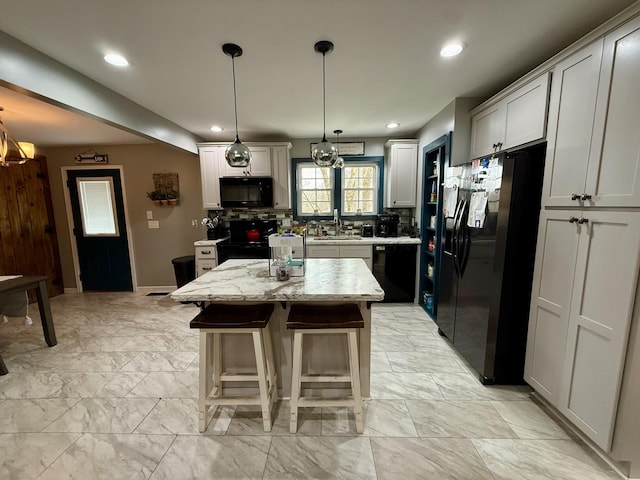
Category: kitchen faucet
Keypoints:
(337, 222)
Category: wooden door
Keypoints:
(553, 275)
(571, 112)
(100, 229)
(27, 228)
(601, 307)
(614, 166)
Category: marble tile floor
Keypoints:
(116, 399)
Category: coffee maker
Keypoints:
(387, 225)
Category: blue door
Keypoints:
(100, 229)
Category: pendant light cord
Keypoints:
(235, 100)
(324, 103)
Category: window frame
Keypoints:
(337, 188)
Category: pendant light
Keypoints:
(324, 154)
(25, 150)
(339, 161)
(236, 154)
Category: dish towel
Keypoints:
(477, 209)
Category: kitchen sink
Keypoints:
(339, 237)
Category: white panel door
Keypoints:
(550, 301)
(602, 303)
(209, 176)
(260, 165)
(487, 129)
(614, 166)
(526, 113)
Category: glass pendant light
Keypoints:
(339, 161)
(236, 154)
(324, 154)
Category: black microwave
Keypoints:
(247, 192)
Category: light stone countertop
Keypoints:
(208, 243)
(325, 280)
(364, 241)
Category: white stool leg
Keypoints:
(217, 362)
(262, 378)
(295, 381)
(271, 366)
(354, 366)
(204, 378)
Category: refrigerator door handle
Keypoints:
(466, 247)
(454, 237)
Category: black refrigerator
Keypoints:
(491, 209)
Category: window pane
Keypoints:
(360, 189)
(97, 206)
(315, 189)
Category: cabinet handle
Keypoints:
(206, 268)
(585, 196)
(583, 220)
(575, 196)
(573, 219)
(206, 252)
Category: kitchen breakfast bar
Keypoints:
(326, 281)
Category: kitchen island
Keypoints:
(326, 281)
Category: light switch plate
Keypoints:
(149, 215)
(153, 224)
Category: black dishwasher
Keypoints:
(394, 266)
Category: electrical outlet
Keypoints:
(194, 223)
(149, 215)
(286, 222)
(153, 224)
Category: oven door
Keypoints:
(225, 252)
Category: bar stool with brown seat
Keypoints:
(216, 320)
(325, 319)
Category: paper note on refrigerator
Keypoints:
(477, 209)
(450, 200)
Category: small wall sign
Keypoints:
(346, 149)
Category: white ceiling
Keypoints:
(385, 66)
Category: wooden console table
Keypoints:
(39, 284)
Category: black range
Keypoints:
(247, 239)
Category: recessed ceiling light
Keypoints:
(393, 125)
(115, 59)
(451, 50)
(216, 128)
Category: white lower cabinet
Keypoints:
(342, 251)
(206, 259)
(582, 300)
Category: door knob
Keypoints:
(573, 219)
(584, 196)
(575, 196)
(583, 220)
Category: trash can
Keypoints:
(185, 268)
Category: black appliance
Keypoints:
(387, 225)
(366, 230)
(486, 267)
(394, 267)
(246, 192)
(247, 239)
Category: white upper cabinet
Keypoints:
(515, 120)
(593, 154)
(210, 159)
(281, 169)
(400, 173)
(259, 166)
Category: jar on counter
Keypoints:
(282, 269)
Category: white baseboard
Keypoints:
(70, 290)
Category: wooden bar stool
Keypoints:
(325, 319)
(215, 320)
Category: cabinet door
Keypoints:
(553, 275)
(227, 170)
(571, 112)
(323, 251)
(403, 171)
(210, 177)
(260, 165)
(487, 129)
(601, 307)
(526, 113)
(281, 167)
(614, 165)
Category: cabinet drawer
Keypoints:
(206, 252)
(323, 251)
(355, 251)
(204, 266)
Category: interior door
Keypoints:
(100, 231)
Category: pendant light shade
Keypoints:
(25, 150)
(237, 154)
(339, 161)
(325, 153)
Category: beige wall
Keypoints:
(152, 249)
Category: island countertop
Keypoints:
(325, 280)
